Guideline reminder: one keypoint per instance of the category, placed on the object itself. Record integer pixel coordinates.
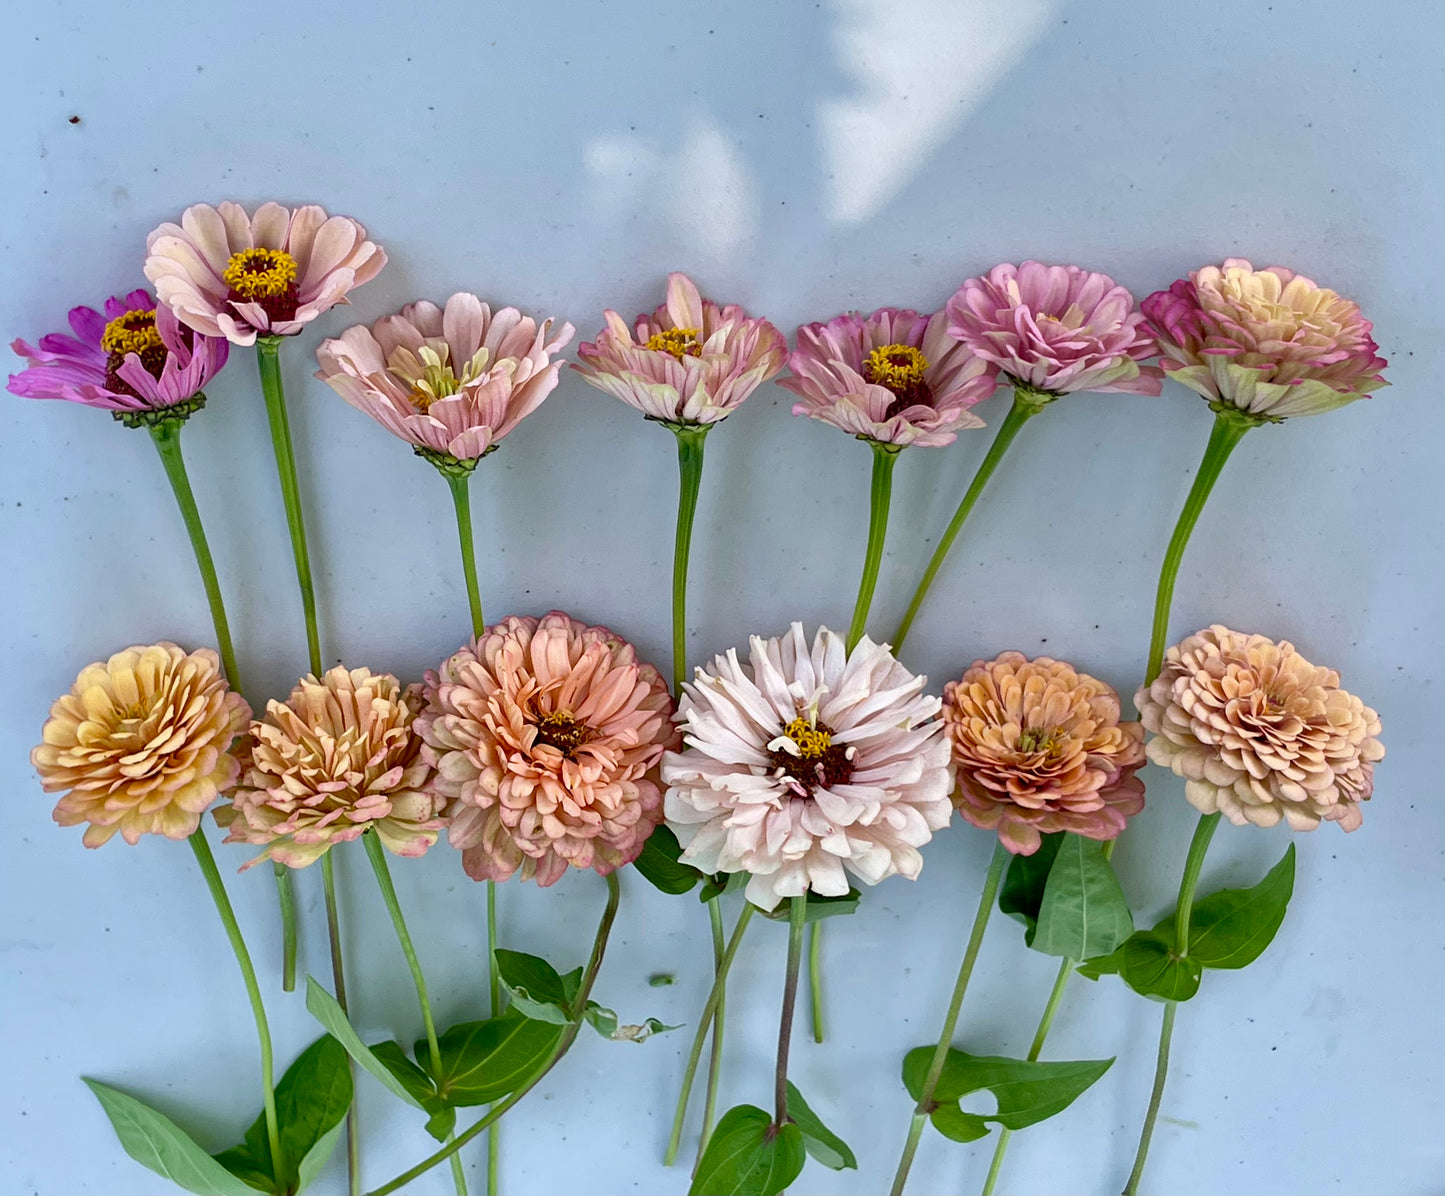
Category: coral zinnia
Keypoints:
(228, 274)
(544, 734)
(689, 362)
(807, 764)
(1260, 733)
(452, 381)
(1269, 342)
(1040, 748)
(133, 358)
(895, 377)
(140, 743)
(339, 757)
(1056, 329)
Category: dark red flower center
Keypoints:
(817, 761)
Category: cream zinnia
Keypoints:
(806, 764)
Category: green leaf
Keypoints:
(1149, 966)
(393, 1057)
(604, 1021)
(748, 1155)
(1026, 1092)
(323, 1007)
(1231, 928)
(659, 864)
(1102, 965)
(723, 882)
(1023, 884)
(1084, 912)
(315, 1158)
(818, 907)
(536, 990)
(155, 1141)
(818, 1140)
(484, 1061)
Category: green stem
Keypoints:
(275, 395)
(885, 456)
(1026, 403)
(714, 1002)
(1066, 969)
(1193, 865)
(1230, 425)
(338, 983)
(461, 499)
(714, 1062)
(286, 899)
(209, 870)
(494, 1009)
(599, 946)
(377, 855)
(166, 436)
(815, 981)
(950, 1019)
(690, 438)
(797, 914)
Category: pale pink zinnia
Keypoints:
(807, 764)
(1039, 749)
(452, 381)
(228, 274)
(895, 377)
(1260, 733)
(545, 734)
(338, 758)
(689, 362)
(1270, 342)
(131, 359)
(1056, 329)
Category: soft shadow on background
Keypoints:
(801, 160)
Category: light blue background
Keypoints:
(800, 159)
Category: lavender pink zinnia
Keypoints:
(895, 377)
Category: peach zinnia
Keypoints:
(545, 734)
(1260, 733)
(338, 758)
(1039, 748)
(139, 744)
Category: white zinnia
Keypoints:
(802, 764)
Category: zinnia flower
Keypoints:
(450, 382)
(132, 361)
(896, 377)
(689, 362)
(338, 758)
(544, 734)
(228, 274)
(139, 744)
(1056, 329)
(807, 764)
(1259, 733)
(1270, 342)
(1040, 748)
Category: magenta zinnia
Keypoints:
(691, 361)
(545, 734)
(132, 358)
(228, 274)
(895, 377)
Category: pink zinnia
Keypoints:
(1270, 342)
(451, 381)
(1056, 329)
(134, 358)
(895, 377)
(545, 734)
(689, 362)
(228, 274)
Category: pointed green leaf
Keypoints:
(1231, 928)
(393, 1057)
(484, 1061)
(1084, 912)
(315, 1158)
(605, 1022)
(1023, 884)
(659, 864)
(723, 882)
(748, 1155)
(953, 1123)
(1026, 1092)
(442, 1122)
(818, 1140)
(1102, 965)
(323, 1007)
(155, 1141)
(818, 907)
(1149, 966)
(535, 988)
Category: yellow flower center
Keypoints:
(133, 332)
(805, 752)
(898, 367)
(429, 373)
(811, 741)
(260, 273)
(680, 342)
(563, 732)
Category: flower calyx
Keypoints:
(161, 417)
